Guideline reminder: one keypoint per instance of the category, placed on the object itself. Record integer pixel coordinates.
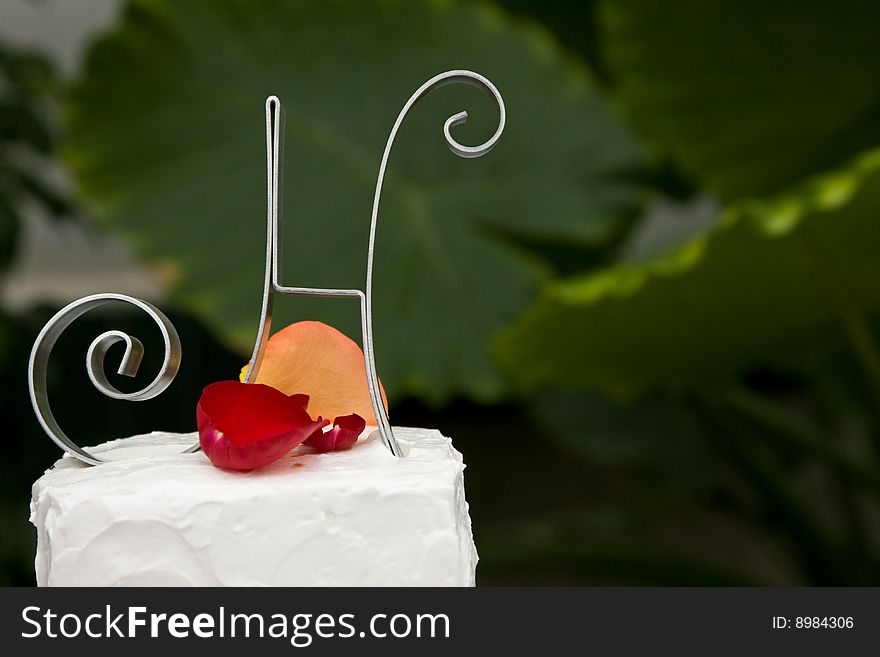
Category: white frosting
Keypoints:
(158, 517)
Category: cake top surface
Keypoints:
(140, 463)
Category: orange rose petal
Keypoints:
(315, 359)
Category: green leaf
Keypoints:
(775, 284)
(167, 136)
(748, 96)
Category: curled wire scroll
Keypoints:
(37, 373)
(131, 359)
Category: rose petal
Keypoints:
(342, 436)
(245, 426)
(316, 359)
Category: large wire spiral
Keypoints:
(131, 359)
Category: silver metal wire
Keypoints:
(42, 350)
(37, 372)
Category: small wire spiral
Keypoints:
(95, 361)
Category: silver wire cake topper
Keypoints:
(42, 349)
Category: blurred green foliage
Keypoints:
(748, 97)
(27, 137)
(170, 111)
(778, 283)
(698, 406)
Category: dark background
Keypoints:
(648, 318)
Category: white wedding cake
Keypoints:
(153, 516)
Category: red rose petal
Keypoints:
(342, 436)
(245, 426)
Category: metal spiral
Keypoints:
(42, 350)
